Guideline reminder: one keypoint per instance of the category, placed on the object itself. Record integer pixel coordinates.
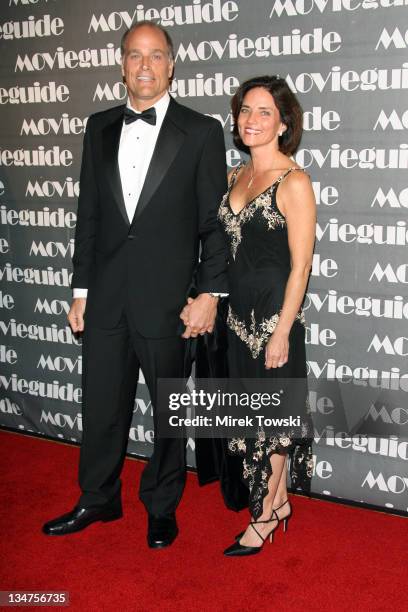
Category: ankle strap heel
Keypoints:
(274, 518)
(286, 519)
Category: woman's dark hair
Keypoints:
(291, 113)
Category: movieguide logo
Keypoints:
(280, 407)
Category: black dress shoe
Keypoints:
(79, 518)
(162, 530)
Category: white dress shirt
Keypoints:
(137, 142)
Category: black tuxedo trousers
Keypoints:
(111, 361)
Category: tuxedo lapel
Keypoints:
(111, 139)
(168, 143)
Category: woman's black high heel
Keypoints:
(285, 520)
(238, 550)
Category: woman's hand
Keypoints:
(277, 350)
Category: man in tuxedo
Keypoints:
(152, 177)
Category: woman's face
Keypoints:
(259, 121)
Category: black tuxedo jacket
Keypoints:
(150, 264)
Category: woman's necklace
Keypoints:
(251, 180)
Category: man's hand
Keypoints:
(76, 314)
(199, 315)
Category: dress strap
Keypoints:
(274, 187)
(285, 174)
(234, 176)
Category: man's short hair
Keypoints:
(150, 24)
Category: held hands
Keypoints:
(276, 350)
(76, 314)
(199, 315)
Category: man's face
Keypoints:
(146, 66)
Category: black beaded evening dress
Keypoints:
(258, 269)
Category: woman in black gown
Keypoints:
(268, 216)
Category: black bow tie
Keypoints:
(148, 115)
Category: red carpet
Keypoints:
(333, 557)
